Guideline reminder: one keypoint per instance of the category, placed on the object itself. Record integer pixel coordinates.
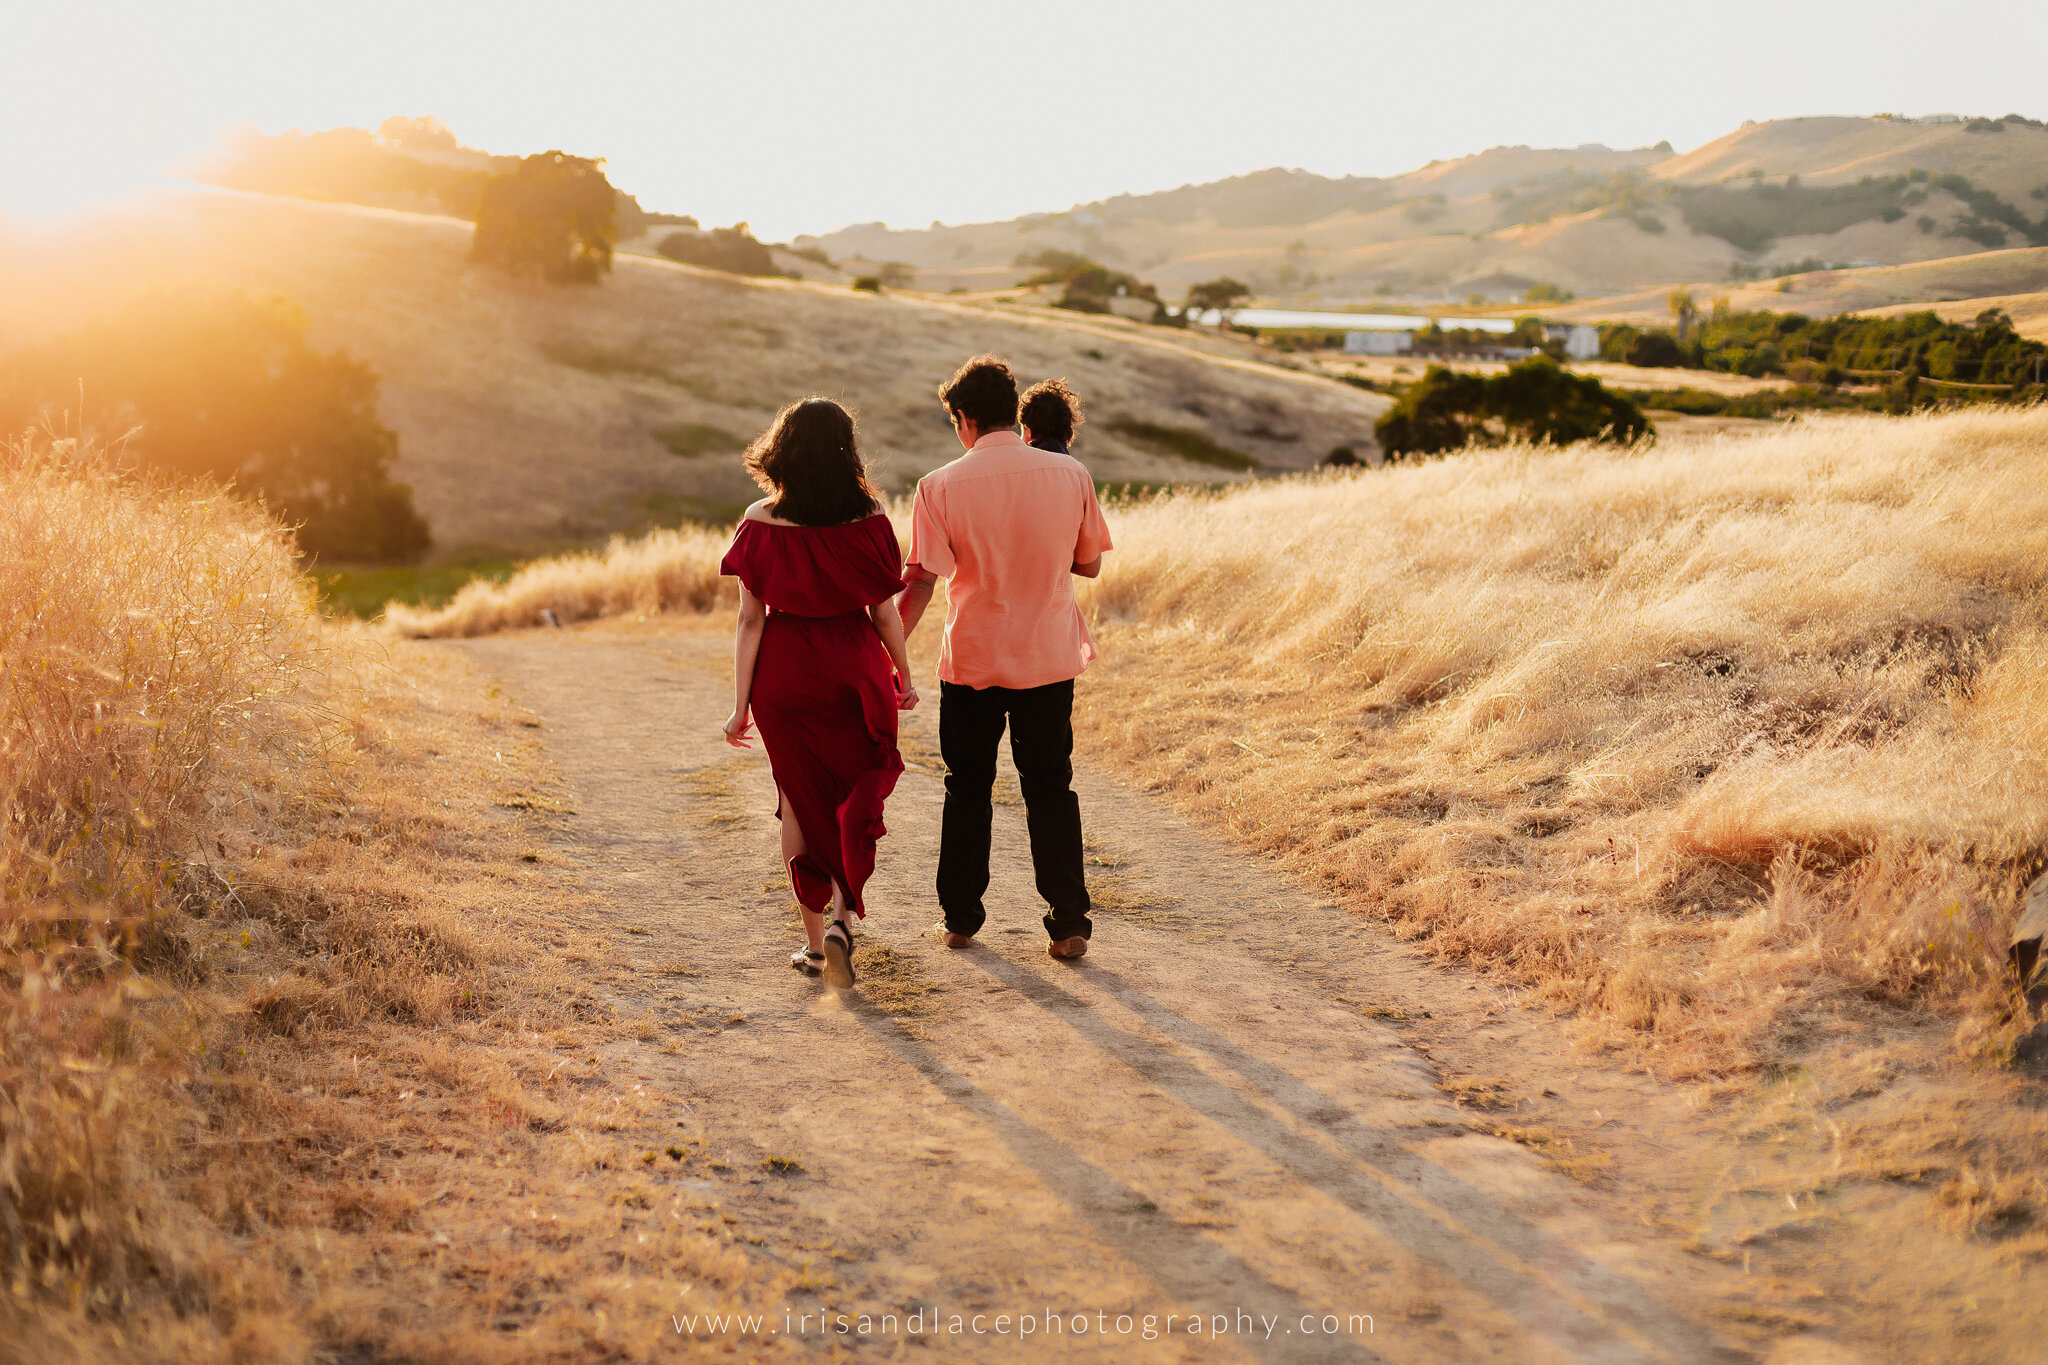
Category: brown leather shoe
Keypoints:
(1068, 948)
(951, 939)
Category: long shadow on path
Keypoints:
(1197, 1272)
(1587, 1310)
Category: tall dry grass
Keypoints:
(1712, 739)
(297, 1052)
(158, 648)
(668, 570)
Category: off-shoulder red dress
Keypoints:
(824, 692)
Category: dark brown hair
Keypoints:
(984, 390)
(1051, 411)
(808, 460)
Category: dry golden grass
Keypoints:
(1721, 742)
(1718, 741)
(673, 570)
(158, 647)
(295, 1058)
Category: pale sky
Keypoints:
(802, 117)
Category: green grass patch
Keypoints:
(362, 593)
(1137, 490)
(604, 361)
(1762, 403)
(1690, 402)
(691, 439)
(1188, 443)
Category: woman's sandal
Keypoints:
(839, 955)
(807, 962)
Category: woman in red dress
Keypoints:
(819, 635)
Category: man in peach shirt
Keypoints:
(1008, 524)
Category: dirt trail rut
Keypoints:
(1189, 1121)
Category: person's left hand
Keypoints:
(906, 698)
(738, 729)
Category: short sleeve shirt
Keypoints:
(1005, 524)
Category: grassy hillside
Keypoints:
(1958, 287)
(2010, 160)
(1592, 219)
(534, 417)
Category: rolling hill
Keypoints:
(1766, 198)
(535, 417)
(1956, 287)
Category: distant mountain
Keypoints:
(1767, 199)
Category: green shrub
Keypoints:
(1224, 293)
(1985, 350)
(555, 216)
(731, 249)
(1055, 266)
(1984, 234)
(868, 284)
(1187, 443)
(217, 385)
(1691, 402)
(1656, 350)
(1086, 286)
(1754, 215)
(1534, 400)
(691, 439)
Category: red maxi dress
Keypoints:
(824, 691)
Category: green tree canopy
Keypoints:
(215, 384)
(555, 216)
(1986, 350)
(1220, 294)
(1534, 400)
(417, 135)
(731, 249)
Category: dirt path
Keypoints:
(1197, 1119)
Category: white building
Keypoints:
(1376, 343)
(1581, 342)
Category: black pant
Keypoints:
(1041, 721)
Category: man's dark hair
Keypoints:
(1051, 411)
(984, 391)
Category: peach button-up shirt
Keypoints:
(1005, 524)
